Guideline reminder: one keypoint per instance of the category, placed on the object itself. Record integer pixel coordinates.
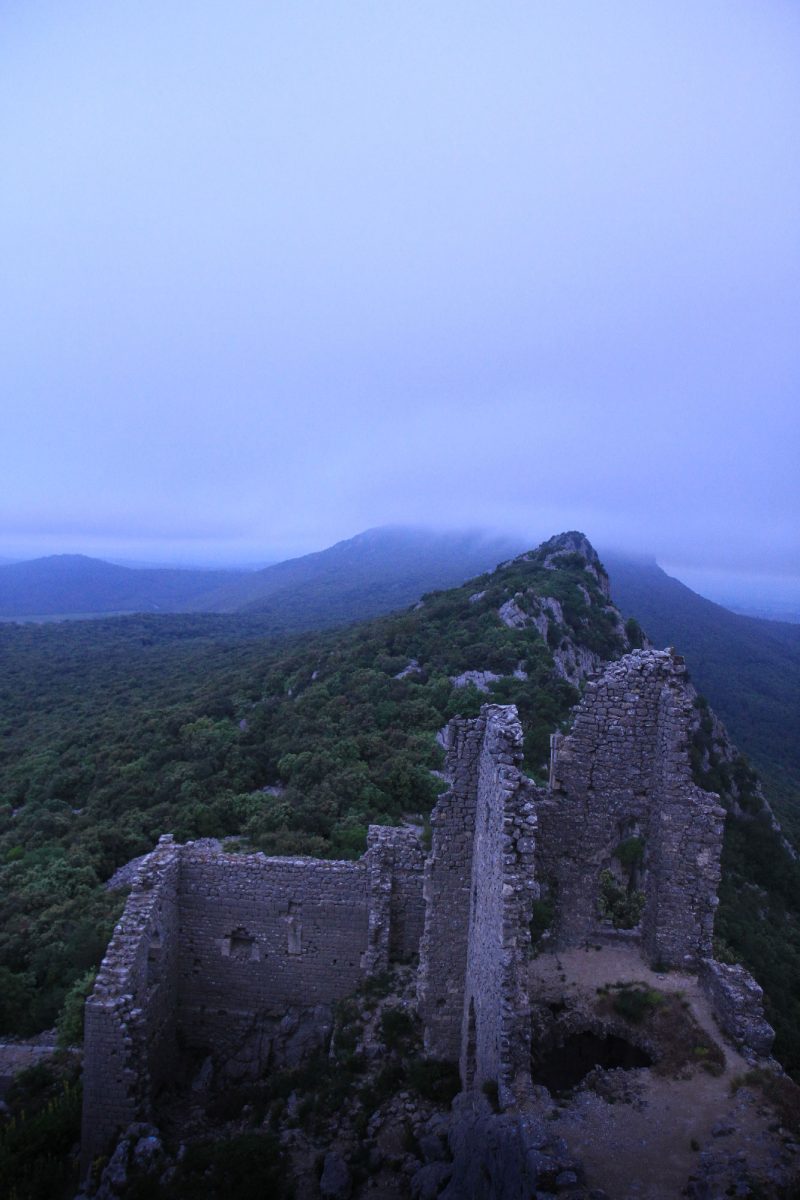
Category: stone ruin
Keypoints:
(240, 957)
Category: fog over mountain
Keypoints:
(275, 274)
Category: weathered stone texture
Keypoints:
(258, 935)
(496, 1015)
(239, 956)
(131, 1015)
(624, 772)
(737, 1002)
(479, 887)
(446, 889)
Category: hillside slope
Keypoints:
(72, 584)
(375, 572)
(748, 668)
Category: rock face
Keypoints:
(508, 1155)
(335, 1182)
(240, 957)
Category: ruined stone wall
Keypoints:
(624, 772)
(446, 889)
(479, 887)
(130, 1017)
(258, 935)
(239, 957)
(395, 863)
(737, 1002)
(495, 1043)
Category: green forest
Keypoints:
(115, 731)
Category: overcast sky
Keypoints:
(273, 273)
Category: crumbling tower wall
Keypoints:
(624, 814)
(479, 888)
(130, 1045)
(446, 890)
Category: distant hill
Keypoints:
(373, 573)
(786, 611)
(747, 667)
(72, 585)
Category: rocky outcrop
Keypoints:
(738, 1005)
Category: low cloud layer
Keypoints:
(276, 274)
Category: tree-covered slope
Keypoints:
(748, 668)
(115, 731)
(72, 584)
(375, 572)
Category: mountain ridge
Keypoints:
(376, 571)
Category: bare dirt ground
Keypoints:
(647, 1150)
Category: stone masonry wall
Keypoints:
(447, 889)
(737, 1002)
(241, 956)
(130, 1017)
(622, 773)
(258, 935)
(496, 1011)
(395, 864)
(234, 956)
(479, 888)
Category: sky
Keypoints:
(274, 273)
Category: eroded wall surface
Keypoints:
(624, 773)
(226, 951)
(479, 887)
(130, 1045)
(258, 935)
(447, 890)
(495, 1041)
(227, 954)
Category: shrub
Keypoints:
(622, 908)
(630, 852)
(435, 1079)
(70, 1019)
(397, 1028)
(634, 633)
(634, 1004)
(542, 913)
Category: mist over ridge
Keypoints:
(309, 273)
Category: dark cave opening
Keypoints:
(561, 1068)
